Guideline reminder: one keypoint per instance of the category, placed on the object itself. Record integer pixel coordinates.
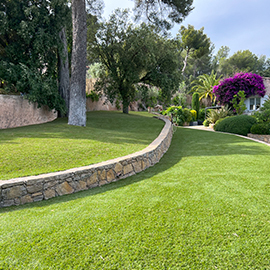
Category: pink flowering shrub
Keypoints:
(251, 84)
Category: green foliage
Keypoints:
(194, 43)
(201, 116)
(29, 48)
(239, 124)
(148, 95)
(238, 102)
(206, 122)
(194, 115)
(241, 61)
(195, 103)
(94, 71)
(204, 85)
(214, 115)
(261, 128)
(93, 95)
(163, 13)
(178, 115)
(180, 99)
(263, 115)
(133, 54)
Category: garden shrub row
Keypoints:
(239, 124)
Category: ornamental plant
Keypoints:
(195, 103)
(251, 84)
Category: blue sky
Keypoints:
(238, 24)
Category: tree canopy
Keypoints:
(29, 44)
(134, 54)
(163, 12)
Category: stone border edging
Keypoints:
(45, 186)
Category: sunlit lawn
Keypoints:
(57, 146)
(204, 206)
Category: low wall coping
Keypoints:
(147, 157)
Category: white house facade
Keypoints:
(254, 103)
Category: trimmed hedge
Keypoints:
(239, 124)
(261, 129)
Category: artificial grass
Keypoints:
(56, 146)
(204, 206)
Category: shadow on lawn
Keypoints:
(186, 142)
(107, 127)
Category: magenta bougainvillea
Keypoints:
(251, 84)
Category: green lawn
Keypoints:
(57, 146)
(204, 206)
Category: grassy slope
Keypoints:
(57, 146)
(204, 206)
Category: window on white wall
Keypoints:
(254, 103)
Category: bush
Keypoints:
(194, 115)
(239, 124)
(219, 121)
(262, 129)
(178, 115)
(206, 123)
(93, 95)
(214, 115)
(195, 102)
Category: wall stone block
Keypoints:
(43, 187)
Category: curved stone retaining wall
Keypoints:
(42, 187)
(263, 138)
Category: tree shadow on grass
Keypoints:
(107, 127)
(185, 143)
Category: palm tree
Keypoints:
(204, 86)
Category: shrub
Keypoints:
(251, 84)
(194, 115)
(219, 121)
(239, 124)
(262, 129)
(206, 123)
(93, 95)
(214, 115)
(201, 116)
(195, 102)
(263, 115)
(178, 115)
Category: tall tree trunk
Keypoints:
(64, 85)
(77, 102)
(185, 62)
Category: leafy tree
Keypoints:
(132, 55)
(251, 84)
(241, 61)
(204, 86)
(29, 45)
(194, 43)
(163, 12)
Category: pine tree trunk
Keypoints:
(64, 86)
(185, 62)
(77, 102)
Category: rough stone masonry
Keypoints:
(43, 187)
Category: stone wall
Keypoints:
(263, 138)
(42, 187)
(16, 112)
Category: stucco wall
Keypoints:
(42, 187)
(16, 111)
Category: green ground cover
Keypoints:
(204, 206)
(57, 146)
